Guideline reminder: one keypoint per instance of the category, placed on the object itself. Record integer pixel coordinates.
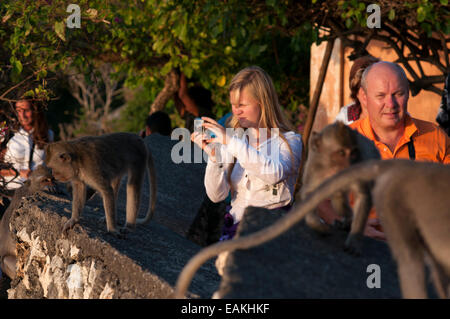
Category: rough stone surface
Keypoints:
(90, 263)
(303, 264)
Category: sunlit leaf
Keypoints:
(60, 29)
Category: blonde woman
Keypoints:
(264, 161)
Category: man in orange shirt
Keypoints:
(384, 92)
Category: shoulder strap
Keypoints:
(30, 159)
(411, 150)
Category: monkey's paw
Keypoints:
(117, 234)
(127, 229)
(353, 245)
(69, 225)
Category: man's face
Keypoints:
(386, 98)
(24, 113)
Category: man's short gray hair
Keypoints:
(395, 66)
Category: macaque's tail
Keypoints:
(152, 200)
(363, 172)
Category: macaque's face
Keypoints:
(334, 148)
(58, 159)
(338, 156)
(41, 177)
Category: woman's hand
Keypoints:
(372, 231)
(25, 173)
(218, 130)
(199, 138)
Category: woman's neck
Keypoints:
(27, 128)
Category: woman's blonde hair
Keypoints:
(259, 84)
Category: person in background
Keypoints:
(385, 93)
(25, 149)
(193, 102)
(443, 117)
(354, 111)
(157, 122)
(396, 134)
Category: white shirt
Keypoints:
(260, 177)
(343, 115)
(17, 153)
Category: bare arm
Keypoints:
(185, 99)
(7, 172)
(179, 105)
(25, 173)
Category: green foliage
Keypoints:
(427, 15)
(207, 40)
(136, 111)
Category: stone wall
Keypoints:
(90, 263)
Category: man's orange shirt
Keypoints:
(430, 142)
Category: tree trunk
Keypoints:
(171, 85)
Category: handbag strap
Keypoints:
(411, 150)
(30, 159)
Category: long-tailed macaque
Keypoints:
(412, 200)
(334, 148)
(101, 162)
(38, 180)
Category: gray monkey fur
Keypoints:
(334, 148)
(101, 162)
(39, 178)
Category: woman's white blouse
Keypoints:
(18, 153)
(262, 177)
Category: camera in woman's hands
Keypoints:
(198, 127)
